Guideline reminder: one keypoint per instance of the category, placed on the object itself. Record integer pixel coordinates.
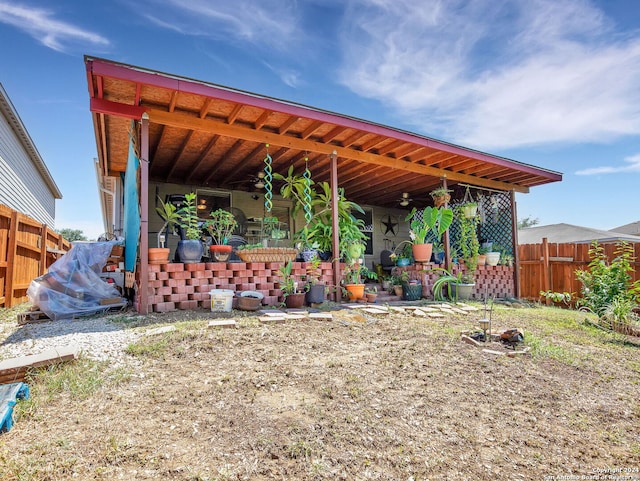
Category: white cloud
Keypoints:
(42, 25)
(632, 165)
(268, 23)
(496, 74)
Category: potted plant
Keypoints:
(469, 209)
(355, 271)
(458, 286)
(168, 212)
(315, 289)
(411, 288)
(371, 293)
(441, 196)
(437, 256)
(293, 297)
(305, 244)
(468, 246)
(427, 227)
(220, 227)
(190, 247)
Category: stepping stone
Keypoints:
(435, 314)
(321, 316)
(160, 330)
(373, 310)
(271, 319)
(419, 313)
(295, 317)
(228, 323)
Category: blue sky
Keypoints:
(551, 83)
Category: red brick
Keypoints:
(164, 307)
(153, 268)
(162, 276)
(180, 275)
(255, 266)
(196, 266)
(164, 291)
(155, 284)
(216, 266)
(188, 305)
(173, 267)
(151, 276)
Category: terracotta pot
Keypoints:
(397, 290)
(355, 291)
(422, 252)
(220, 252)
(294, 301)
(482, 259)
(158, 255)
(371, 297)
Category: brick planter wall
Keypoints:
(177, 286)
(491, 281)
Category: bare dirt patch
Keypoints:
(389, 398)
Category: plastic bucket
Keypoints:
(221, 300)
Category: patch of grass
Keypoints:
(541, 348)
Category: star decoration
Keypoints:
(390, 226)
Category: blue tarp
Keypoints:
(131, 211)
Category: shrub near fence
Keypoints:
(27, 249)
(551, 267)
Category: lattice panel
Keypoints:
(496, 220)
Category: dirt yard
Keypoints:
(362, 397)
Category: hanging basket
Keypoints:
(470, 210)
(441, 200)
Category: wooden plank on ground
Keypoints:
(15, 369)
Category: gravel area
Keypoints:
(99, 338)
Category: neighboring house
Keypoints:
(27, 185)
(567, 233)
(633, 228)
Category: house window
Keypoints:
(210, 200)
(367, 217)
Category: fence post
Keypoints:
(12, 246)
(546, 273)
(44, 233)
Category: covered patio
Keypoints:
(201, 135)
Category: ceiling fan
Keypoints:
(405, 199)
(252, 182)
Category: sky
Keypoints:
(555, 84)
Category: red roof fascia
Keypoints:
(157, 79)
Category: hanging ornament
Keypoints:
(268, 186)
(308, 214)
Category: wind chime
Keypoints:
(308, 214)
(268, 184)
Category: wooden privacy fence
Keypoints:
(27, 249)
(551, 267)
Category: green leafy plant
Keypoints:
(604, 282)
(447, 279)
(429, 225)
(169, 213)
(564, 297)
(288, 283)
(220, 226)
(468, 246)
(188, 215)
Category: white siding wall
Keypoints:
(21, 185)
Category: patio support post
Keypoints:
(335, 225)
(514, 247)
(447, 250)
(143, 308)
